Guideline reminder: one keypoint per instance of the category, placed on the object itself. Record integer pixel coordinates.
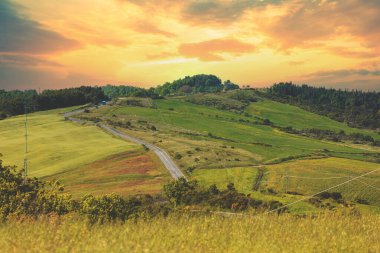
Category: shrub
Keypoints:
(182, 191)
(109, 208)
(362, 201)
(3, 115)
(19, 196)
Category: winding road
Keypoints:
(165, 158)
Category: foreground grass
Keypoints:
(203, 233)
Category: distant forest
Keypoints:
(16, 102)
(356, 108)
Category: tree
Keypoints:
(181, 191)
(31, 196)
(228, 85)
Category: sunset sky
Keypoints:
(54, 43)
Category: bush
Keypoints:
(182, 191)
(30, 196)
(3, 115)
(109, 208)
(362, 201)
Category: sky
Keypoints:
(49, 44)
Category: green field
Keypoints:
(198, 233)
(311, 176)
(220, 148)
(305, 177)
(176, 117)
(242, 178)
(288, 115)
(59, 149)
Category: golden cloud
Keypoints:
(210, 50)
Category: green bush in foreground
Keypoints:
(182, 192)
(30, 197)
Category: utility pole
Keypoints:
(348, 186)
(286, 181)
(26, 145)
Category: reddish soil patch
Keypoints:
(126, 163)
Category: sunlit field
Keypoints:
(83, 157)
(200, 233)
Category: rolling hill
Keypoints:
(219, 146)
(236, 136)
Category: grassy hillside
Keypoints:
(288, 115)
(243, 178)
(211, 145)
(188, 121)
(200, 233)
(219, 146)
(82, 157)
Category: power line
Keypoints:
(330, 188)
(317, 178)
(369, 185)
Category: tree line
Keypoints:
(17, 102)
(356, 108)
(323, 134)
(188, 85)
(115, 91)
(195, 84)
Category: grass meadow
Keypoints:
(327, 232)
(311, 176)
(243, 178)
(235, 148)
(83, 157)
(265, 142)
(288, 115)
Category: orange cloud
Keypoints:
(148, 28)
(163, 55)
(317, 24)
(220, 12)
(210, 50)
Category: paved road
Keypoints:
(175, 172)
(164, 157)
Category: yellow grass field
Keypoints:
(198, 233)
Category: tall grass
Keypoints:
(199, 233)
